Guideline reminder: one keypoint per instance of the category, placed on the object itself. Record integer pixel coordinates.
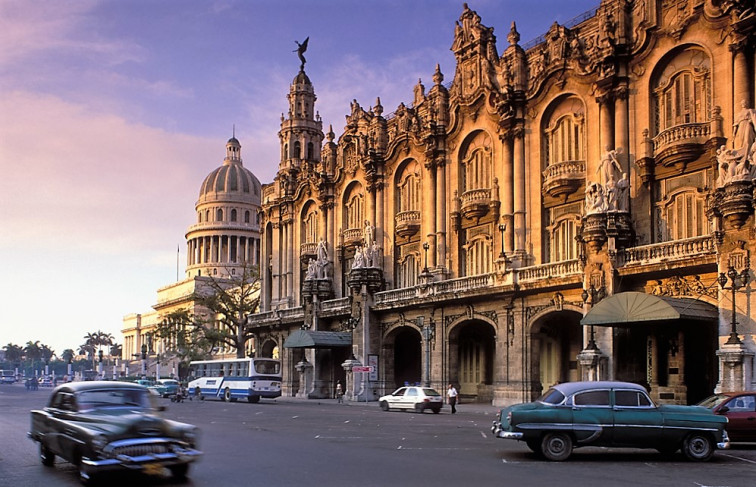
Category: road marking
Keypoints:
(738, 458)
(483, 434)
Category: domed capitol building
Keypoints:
(577, 207)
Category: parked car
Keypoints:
(740, 410)
(165, 387)
(103, 427)
(414, 397)
(610, 414)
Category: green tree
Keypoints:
(185, 337)
(14, 354)
(116, 350)
(229, 302)
(46, 353)
(67, 355)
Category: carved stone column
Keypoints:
(735, 368)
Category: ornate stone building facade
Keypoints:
(580, 206)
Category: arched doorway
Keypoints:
(475, 360)
(270, 349)
(407, 357)
(556, 340)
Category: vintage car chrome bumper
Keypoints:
(499, 433)
(138, 455)
(725, 443)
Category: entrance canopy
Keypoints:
(318, 339)
(626, 309)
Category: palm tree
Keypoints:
(46, 353)
(14, 353)
(67, 355)
(116, 350)
(32, 352)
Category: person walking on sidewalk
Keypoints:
(451, 394)
(339, 392)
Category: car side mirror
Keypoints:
(723, 410)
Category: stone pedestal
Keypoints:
(735, 368)
(305, 377)
(593, 365)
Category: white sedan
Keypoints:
(413, 397)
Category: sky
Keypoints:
(112, 112)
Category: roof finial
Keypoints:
(233, 130)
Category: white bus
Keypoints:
(232, 379)
(7, 376)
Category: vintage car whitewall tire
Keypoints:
(698, 447)
(556, 446)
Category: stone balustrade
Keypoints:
(664, 251)
(688, 132)
(552, 269)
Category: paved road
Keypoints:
(295, 442)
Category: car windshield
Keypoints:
(106, 398)
(552, 396)
(713, 401)
(430, 392)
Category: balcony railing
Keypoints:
(552, 269)
(697, 133)
(407, 222)
(563, 177)
(665, 251)
(352, 236)
(335, 304)
(475, 202)
(308, 248)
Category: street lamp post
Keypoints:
(590, 293)
(427, 331)
(502, 229)
(425, 248)
(144, 359)
(738, 281)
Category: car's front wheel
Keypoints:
(556, 447)
(419, 408)
(698, 447)
(384, 405)
(180, 471)
(47, 456)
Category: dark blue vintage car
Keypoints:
(111, 427)
(611, 414)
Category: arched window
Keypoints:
(219, 215)
(297, 150)
(476, 162)
(233, 215)
(563, 243)
(681, 213)
(207, 215)
(310, 151)
(407, 271)
(246, 216)
(682, 90)
(310, 223)
(564, 140)
(354, 211)
(478, 256)
(409, 188)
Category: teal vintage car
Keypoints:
(110, 427)
(610, 414)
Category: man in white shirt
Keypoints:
(451, 394)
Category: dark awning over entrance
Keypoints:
(318, 339)
(624, 309)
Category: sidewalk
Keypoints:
(462, 408)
